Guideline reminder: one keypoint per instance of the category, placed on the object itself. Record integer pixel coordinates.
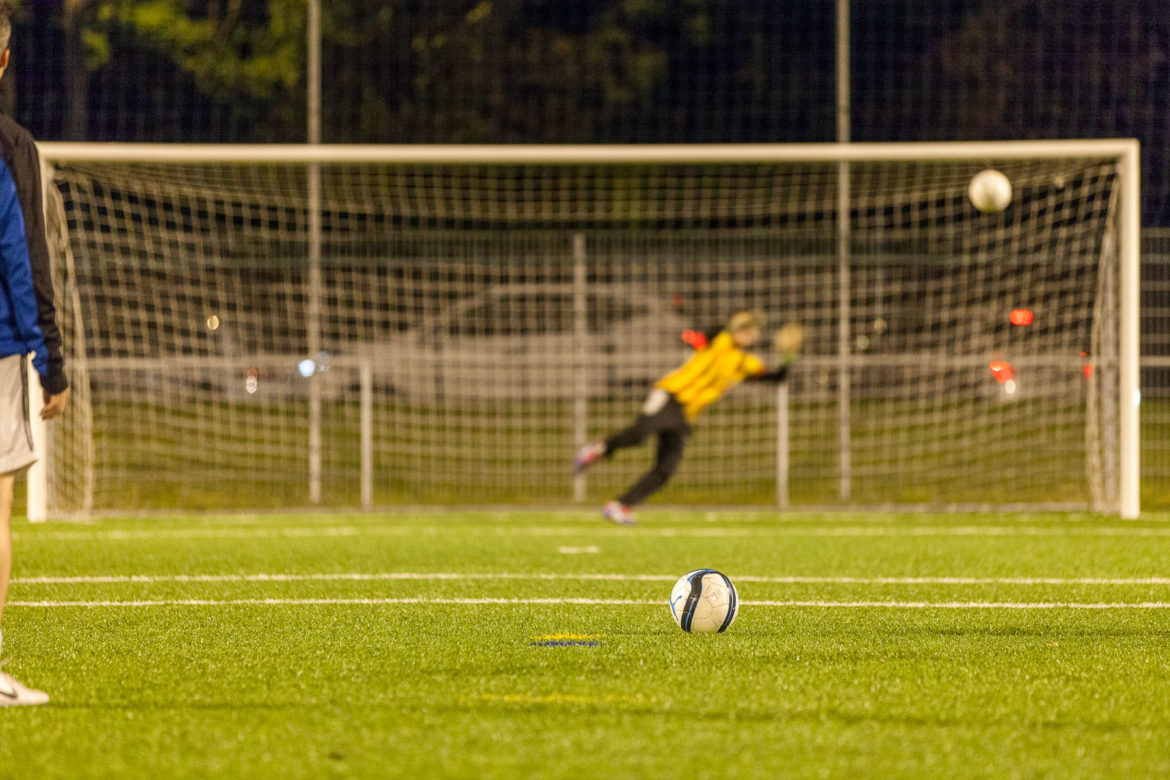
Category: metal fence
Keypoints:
(1155, 368)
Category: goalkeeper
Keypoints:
(719, 363)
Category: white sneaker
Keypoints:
(618, 513)
(587, 454)
(13, 694)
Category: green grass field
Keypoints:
(539, 644)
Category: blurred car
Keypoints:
(524, 342)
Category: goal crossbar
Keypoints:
(546, 154)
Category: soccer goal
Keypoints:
(374, 326)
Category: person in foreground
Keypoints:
(27, 325)
(719, 363)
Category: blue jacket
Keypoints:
(19, 331)
(18, 150)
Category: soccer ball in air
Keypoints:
(704, 602)
(990, 191)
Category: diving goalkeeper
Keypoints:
(719, 363)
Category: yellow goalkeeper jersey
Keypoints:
(710, 373)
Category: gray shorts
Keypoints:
(16, 442)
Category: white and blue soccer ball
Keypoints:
(704, 602)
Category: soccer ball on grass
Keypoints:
(704, 602)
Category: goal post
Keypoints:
(459, 360)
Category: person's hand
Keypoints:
(787, 341)
(54, 404)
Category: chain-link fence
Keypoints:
(1156, 368)
(591, 71)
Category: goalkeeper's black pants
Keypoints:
(661, 415)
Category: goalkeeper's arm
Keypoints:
(699, 339)
(775, 375)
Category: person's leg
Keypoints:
(670, 451)
(665, 462)
(12, 693)
(16, 454)
(659, 412)
(597, 448)
(6, 483)
(630, 437)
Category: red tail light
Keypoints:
(1021, 317)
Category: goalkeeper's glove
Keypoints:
(788, 341)
(699, 339)
(695, 338)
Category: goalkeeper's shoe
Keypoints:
(618, 513)
(13, 694)
(587, 454)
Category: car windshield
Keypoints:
(607, 312)
(537, 314)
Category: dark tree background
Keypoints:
(593, 71)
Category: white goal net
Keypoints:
(378, 326)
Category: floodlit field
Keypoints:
(539, 644)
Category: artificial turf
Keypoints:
(539, 644)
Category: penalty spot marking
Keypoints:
(1143, 605)
(566, 640)
(146, 579)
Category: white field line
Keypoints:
(1145, 605)
(590, 531)
(967, 605)
(211, 533)
(963, 604)
(146, 579)
(330, 601)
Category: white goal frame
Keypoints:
(1125, 151)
